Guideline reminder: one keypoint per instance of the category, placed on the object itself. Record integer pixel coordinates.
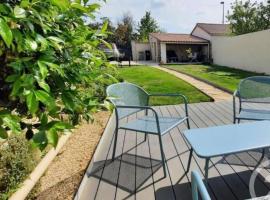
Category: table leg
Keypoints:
(189, 160)
(206, 168)
(261, 159)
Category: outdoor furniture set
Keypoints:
(210, 142)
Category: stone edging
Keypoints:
(202, 80)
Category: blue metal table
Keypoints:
(228, 139)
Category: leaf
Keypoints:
(40, 140)
(56, 39)
(62, 4)
(79, 7)
(30, 44)
(45, 98)
(42, 41)
(43, 69)
(16, 87)
(52, 137)
(62, 126)
(19, 12)
(44, 85)
(12, 78)
(93, 7)
(32, 103)
(5, 32)
(43, 119)
(3, 133)
(104, 27)
(67, 98)
(12, 122)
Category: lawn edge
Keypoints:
(211, 98)
(201, 79)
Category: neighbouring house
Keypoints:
(179, 48)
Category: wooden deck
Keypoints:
(137, 172)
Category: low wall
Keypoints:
(249, 52)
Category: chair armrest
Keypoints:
(198, 187)
(143, 108)
(236, 93)
(174, 95)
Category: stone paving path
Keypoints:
(215, 93)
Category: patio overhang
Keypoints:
(182, 47)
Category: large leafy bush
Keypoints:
(52, 71)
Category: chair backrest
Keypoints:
(255, 89)
(127, 94)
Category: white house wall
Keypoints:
(248, 52)
(138, 47)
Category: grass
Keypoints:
(224, 77)
(156, 81)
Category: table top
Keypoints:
(229, 139)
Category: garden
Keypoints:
(52, 78)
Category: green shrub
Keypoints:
(51, 66)
(17, 160)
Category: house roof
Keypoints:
(214, 29)
(178, 38)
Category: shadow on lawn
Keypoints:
(230, 72)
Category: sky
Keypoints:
(174, 16)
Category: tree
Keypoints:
(51, 68)
(249, 17)
(124, 32)
(147, 25)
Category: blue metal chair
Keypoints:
(129, 99)
(198, 187)
(254, 89)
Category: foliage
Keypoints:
(249, 17)
(17, 160)
(147, 25)
(110, 28)
(224, 77)
(51, 67)
(124, 32)
(156, 81)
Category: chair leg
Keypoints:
(238, 121)
(234, 120)
(189, 160)
(115, 143)
(206, 169)
(162, 156)
(188, 125)
(145, 137)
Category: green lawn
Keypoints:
(156, 81)
(224, 77)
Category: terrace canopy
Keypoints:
(178, 48)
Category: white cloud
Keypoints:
(172, 15)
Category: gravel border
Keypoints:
(64, 175)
